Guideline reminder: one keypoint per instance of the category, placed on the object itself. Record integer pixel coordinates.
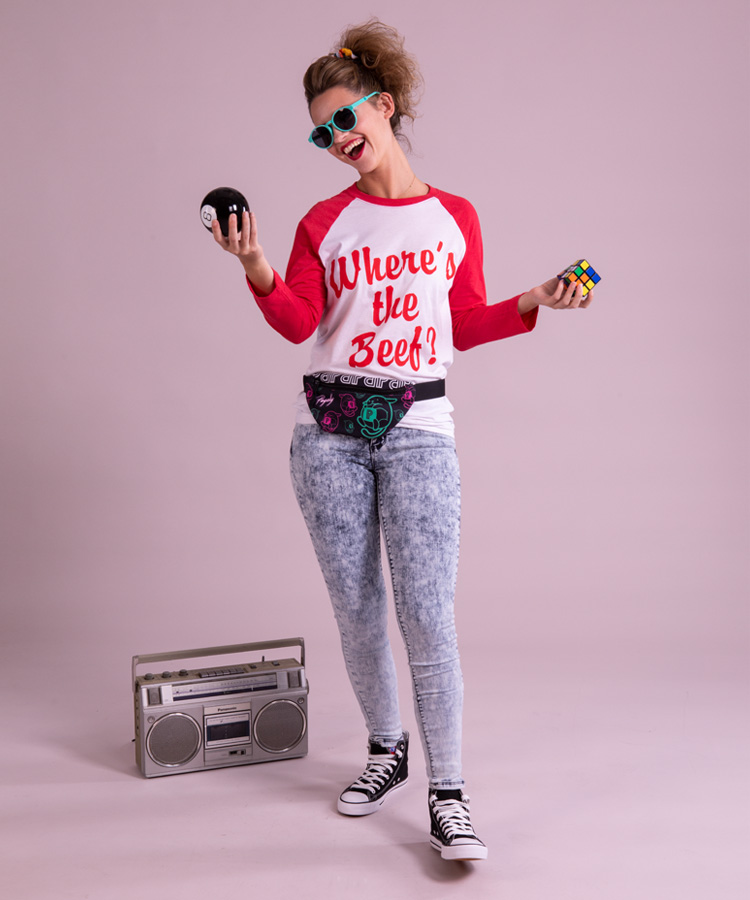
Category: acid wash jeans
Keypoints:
(406, 483)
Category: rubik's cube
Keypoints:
(581, 271)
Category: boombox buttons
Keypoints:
(210, 718)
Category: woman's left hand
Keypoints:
(556, 295)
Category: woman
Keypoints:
(389, 272)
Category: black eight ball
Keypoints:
(220, 204)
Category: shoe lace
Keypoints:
(453, 817)
(378, 770)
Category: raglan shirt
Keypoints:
(392, 286)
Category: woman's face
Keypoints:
(365, 147)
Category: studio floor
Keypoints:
(589, 783)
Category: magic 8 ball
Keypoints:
(220, 204)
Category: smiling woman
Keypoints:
(358, 97)
(389, 274)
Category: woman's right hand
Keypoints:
(245, 246)
(556, 294)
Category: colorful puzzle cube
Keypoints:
(581, 271)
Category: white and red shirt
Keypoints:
(392, 286)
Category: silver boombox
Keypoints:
(194, 719)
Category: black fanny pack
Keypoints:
(364, 406)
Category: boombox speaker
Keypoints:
(249, 712)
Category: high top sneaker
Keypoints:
(451, 832)
(387, 769)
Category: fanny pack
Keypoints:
(362, 405)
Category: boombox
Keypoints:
(192, 719)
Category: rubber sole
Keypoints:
(368, 807)
(459, 852)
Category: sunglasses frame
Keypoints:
(329, 123)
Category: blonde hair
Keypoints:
(381, 64)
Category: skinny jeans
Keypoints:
(408, 485)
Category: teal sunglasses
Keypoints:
(344, 119)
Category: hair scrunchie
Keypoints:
(346, 53)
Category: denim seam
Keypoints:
(351, 669)
(399, 617)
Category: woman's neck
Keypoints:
(393, 179)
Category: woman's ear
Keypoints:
(386, 104)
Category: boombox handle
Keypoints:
(144, 658)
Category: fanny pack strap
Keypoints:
(426, 390)
(430, 390)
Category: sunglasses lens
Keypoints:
(322, 137)
(344, 119)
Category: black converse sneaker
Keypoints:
(451, 832)
(387, 769)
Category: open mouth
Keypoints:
(355, 149)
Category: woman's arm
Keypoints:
(292, 307)
(246, 247)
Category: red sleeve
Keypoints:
(295, 305)
(474, 321)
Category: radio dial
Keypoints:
(149, 676)
(166, 674)
(183, 672)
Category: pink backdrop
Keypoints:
(145, 507)
(604, 457)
